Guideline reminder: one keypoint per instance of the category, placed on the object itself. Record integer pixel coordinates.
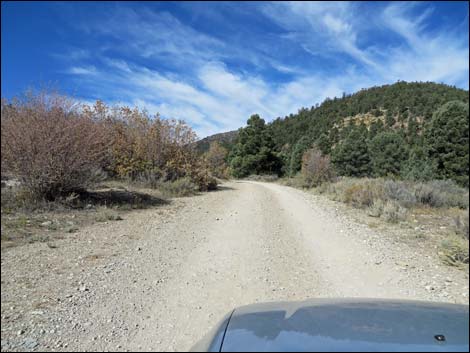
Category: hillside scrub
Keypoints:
(364, 192)
(442, 203)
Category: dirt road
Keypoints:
(160, 279)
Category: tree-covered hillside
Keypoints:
(224, 139)
(410, 130)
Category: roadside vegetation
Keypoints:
(399, 152)
(57, 157)
(437, 211)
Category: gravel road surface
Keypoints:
(161, 278)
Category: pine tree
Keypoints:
(447, 140)
(389, 119)
(324, 144)
(375, 128)
(418, 166)
(253, 152)
(351, 155)
(388, 153)
(296, 157)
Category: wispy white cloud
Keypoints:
(82, 70)
(184, 73)
(421, 56)
(442, 57)
(219, 99)
(320, 27)
(72, 54)
(150, 34)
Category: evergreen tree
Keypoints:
(375, 128)
(418, 166)
(253, 152)
(351, 155)
(412, 130)
(447, 140)
(413, 99)
(389, 119)
(296, 157)
(387, 152)
(324, 144)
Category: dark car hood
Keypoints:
(346, 325)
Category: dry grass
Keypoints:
(24, 221)
(296, 181)
(454, 251)
(178, 188)
(435, 213)
(104, 214)
(268, 178)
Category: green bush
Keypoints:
(253, 153)
(298, 150)
(351, 155)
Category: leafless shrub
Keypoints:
(50, 145)
(296, 181)
(56, 147)
(104, 214)
(316, 168)
(215, 159)
(150, 149)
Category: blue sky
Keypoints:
(214, 64)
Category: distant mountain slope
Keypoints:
(226, 139)
(416, 130)
(401, 100)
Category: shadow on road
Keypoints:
(115, 197)
(223, 188)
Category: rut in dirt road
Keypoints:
(162, 278)
(251, 255)
(268, 243)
